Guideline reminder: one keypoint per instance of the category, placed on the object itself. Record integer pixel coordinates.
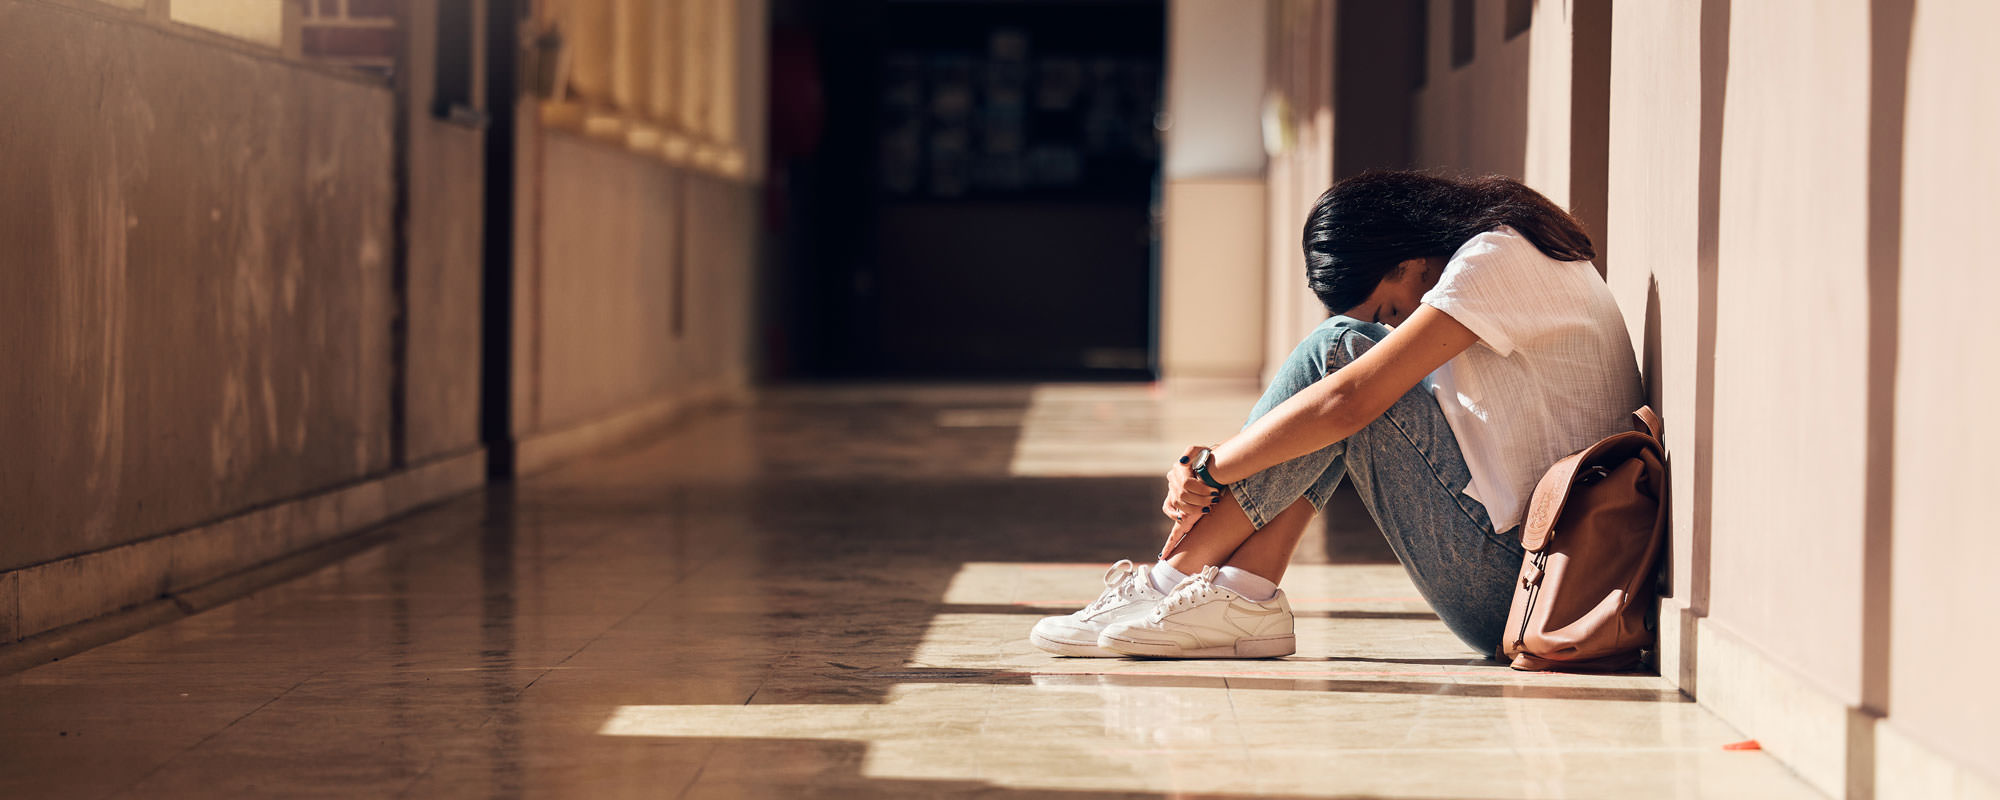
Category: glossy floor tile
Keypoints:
(827, 595)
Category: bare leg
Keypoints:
(1269, 551)
(1225, 536)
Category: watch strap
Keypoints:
(1201, 470)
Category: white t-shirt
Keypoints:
(1552, 373)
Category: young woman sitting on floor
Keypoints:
(1472, 345)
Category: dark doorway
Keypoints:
(496, 335)
(979, 202)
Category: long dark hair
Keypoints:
(1364, 226)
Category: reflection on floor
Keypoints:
(827, 595)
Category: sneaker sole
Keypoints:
(1066, 648)
(1264, 647)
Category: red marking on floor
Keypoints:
(1746, 744)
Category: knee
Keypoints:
(1340, 340)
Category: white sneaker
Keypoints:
(1128, 595)
(1199, 619)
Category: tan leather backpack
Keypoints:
(1595, 527)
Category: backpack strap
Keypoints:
(1546, 504)
(1646, 421)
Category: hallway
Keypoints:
(832, 600)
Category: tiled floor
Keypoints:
(827, 595)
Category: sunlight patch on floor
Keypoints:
(1140, 733)
(1120, 430)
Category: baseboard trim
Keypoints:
(68, 640)
(1807, 728)
(41, 603)
(541, 450)
(1676, 653)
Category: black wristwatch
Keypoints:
(1201, 469)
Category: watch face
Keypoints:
(1201, 461)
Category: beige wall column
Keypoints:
(1739, 204)
(1941, 739)
(1568, 93)
(1299, 115)
(662, 60)
(1526, 102)
(695, 64)
(587, 32)
(634, 301)
(1473, 115)
(1658, 171)
(1788, 188)
(1212, 242)
(724, 77)
(753, 88)
(1545, 153)
(1771, 193)
(1792, 243)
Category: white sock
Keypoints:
(1248, 584)
(1165, 577)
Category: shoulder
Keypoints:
(1494, 259)
(1504, 259)
(1500, 245)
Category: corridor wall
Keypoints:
(1473, 115)
(1793, 192)
(633, 299)
(444, 181)
(1783, 177)
(198, 311)
(1939, 695)
(637, 180)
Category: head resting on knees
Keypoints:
(1377, 241)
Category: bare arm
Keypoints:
(1328, 411)
(1346, 401)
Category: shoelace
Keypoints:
(1121, 581)
(1190, 591)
